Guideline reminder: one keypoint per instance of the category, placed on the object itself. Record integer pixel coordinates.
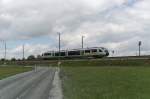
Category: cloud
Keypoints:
(27, 19)
(116, 25)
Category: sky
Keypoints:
(115, 24)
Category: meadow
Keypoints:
(97, 79)
(6, 71)
(105, 82)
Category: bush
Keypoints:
(31, 57)
(13, 59)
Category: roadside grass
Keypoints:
(109, 82)
(118, 62)
(7, 71)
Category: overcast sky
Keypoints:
(115, 24)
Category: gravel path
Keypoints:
(35, 84)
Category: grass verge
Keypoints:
(125, 63)
(12, 70)
(106, 82)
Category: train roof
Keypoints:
(77, 49)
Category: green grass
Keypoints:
(106, 63)
(106, 82)
(12, 70)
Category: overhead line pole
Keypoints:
(5, 50)
(23, 52)
(82, 42)
(139, 51)
(59, 45)
(140, 43)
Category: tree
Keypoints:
(38, 56)
(31, 57)
(2, 59)
(13, 59)
(18, 59)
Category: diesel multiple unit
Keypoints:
(94, 52)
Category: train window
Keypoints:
(100, 50)
(73, 53)
(47, 54)
(87, 51)
(56, 54)
(62, 53)
(94, 50)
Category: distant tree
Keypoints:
(31, 57)
(18, 59)
(2, 59)
(38, 56)
(13, 59)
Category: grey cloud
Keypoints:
(41, 17)
(104, 22)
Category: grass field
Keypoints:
(106, 63)
(12, 70)
(106, 82)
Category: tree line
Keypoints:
(30, 57)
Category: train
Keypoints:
(93, 52)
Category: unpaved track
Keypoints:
(30, 85)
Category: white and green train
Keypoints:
(93, 52)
